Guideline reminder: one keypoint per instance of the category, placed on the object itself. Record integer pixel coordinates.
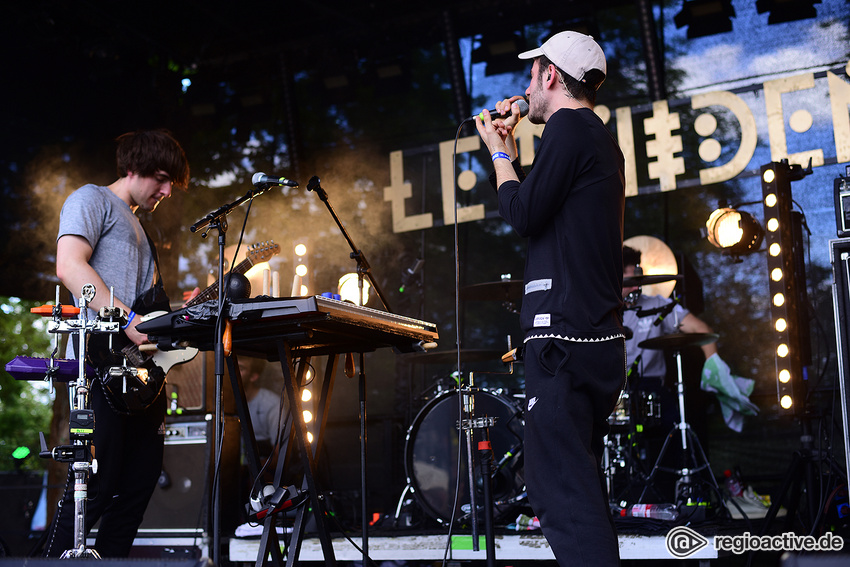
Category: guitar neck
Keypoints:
(212, 291)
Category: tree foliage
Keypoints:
(24, 409)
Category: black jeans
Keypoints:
(571, 389)
(129, 452)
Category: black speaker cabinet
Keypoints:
(839, 253)
(181, 503)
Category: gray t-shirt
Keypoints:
(652, 361)
(121, 252)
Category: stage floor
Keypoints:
(525, 547)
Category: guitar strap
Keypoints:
(154, 298)
(125, 392)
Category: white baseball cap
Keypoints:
(572, 52)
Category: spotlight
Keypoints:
(705, 17)
(349, 289)
(787, 10)
(499, 51)
(735, 232)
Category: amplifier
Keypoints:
(842, 206)
(839, 254)
(181, 503)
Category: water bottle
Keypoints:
(733, 483)
(656, 511)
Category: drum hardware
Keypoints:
(614, 458)
(431, 452)
(649, 279)
(508, 291)
(694, 459)
(434, 467)
(622, 464)
(451, 356)
(622, 461)
(78, 454)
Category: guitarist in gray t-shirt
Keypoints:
(102, 242)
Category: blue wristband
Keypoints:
(130, 318)
(501, 155)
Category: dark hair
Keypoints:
(631, 257)
(581, 90)
(147, 151)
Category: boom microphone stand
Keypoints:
(217, 219)
(363, 270)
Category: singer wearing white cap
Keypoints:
(569, 207)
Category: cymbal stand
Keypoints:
(697, 456)
(81, 421)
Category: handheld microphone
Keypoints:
(261, 178)
(521, 103)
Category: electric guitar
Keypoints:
(166, 359)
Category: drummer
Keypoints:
(646, 318)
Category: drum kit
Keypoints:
(433, 454)
(638, 411)
(439, 442)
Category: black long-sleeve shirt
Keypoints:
(570, 207)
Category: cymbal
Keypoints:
(505, 290)
(679, 340)
(638, 281)
(450, 356)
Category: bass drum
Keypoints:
(432, 449)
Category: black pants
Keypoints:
(129, 451)
(571, 389)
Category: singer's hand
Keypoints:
(496, 135)
(510, 115)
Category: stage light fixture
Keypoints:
(787, 10)
(705, 17)
(301, 278)
(735, 232)
(786, 281)
(498, 50)
(349, 289)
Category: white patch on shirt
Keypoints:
(543, 320)
(538, 285)
(531, 402)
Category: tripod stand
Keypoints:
(693, 457)
(809, 465)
